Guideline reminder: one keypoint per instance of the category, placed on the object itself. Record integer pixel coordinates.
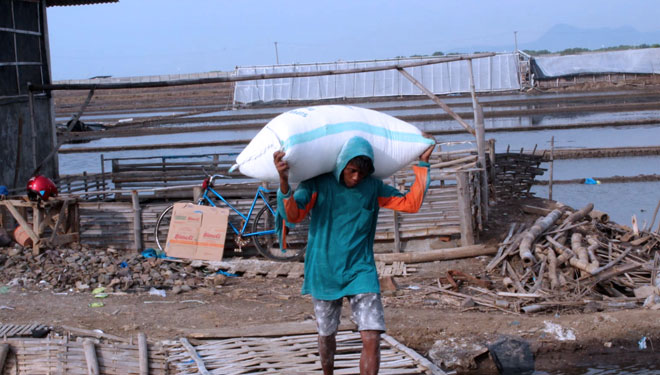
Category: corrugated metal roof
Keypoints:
(56, 3)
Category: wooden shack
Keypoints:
(27, 129)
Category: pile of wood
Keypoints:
(570, 260)
(514, 174)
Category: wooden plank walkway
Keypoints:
(292, 354)
(270, 269)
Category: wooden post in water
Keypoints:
(137, 221)
(103, 176)
(113, 171)
(552, 164)
(465, 208)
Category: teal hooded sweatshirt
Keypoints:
(340, 260)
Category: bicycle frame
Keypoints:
(261, 193)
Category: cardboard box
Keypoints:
(197, 232)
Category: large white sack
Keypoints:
(312, 138)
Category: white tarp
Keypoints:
(495, 73)
(641, 61)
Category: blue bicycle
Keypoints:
(262, 229)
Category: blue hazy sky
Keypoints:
(145, 37)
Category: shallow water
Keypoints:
(620, 200)
(606, 370)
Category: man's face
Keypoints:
(352, 175)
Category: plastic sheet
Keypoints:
(494, 73)
(640, 61)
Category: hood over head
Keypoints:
(356, 146)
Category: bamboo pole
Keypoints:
(137, 221)
(195, 356)
(552, 269)
(253, 77)
(465, 208)
(481, 151)
(541, 225)
(437, 101)
(90, 357)
(449, 163)
(578, 248)
(143, 353)
(435, 370)
(153, 146)
(481, 142)
(440, 254)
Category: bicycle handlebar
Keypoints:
(214, 177)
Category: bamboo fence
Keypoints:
(108, 220)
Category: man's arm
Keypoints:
(294, 206)
(283, 170)
(391, 198)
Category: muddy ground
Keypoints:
(415, 315)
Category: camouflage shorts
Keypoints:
(367, 310)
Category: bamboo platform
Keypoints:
(60, 356)
(294, 354)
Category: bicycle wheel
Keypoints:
(269, 245)
(163, 225)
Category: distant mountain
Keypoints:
(563, 36)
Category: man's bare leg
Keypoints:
(370, 357)
(327, 349)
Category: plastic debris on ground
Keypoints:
(228, 274)
(157, 292)
(560, 333)
(642, 343)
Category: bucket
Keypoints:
(21, 237)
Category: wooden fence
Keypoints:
(108, 217)
(514, 174)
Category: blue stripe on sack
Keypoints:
(331, 129)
